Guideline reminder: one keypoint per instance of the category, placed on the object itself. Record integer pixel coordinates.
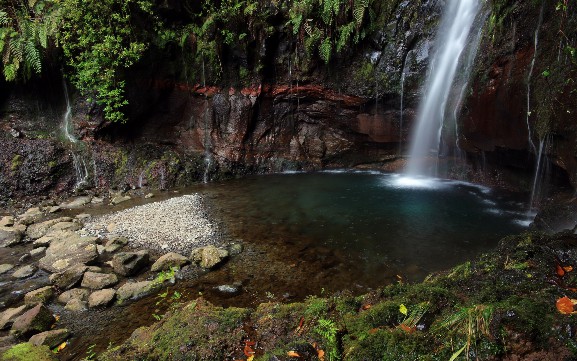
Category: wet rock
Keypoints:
(97, 200)
(7, 221)
(76, 305)
(64, 226)
(51, 338)
(69, 278)
(6, 342)
(37, 252)
(10, 237)
(24, 258)
(115, 244)
(35, 320)
(119, 199)
(41, 295)
(168, 261)
(97, 281)
(130, 263)
(77, 202)
(43, 241)
(5, 268)
(231, 290)
(95, 269)
(101, 298)
(32, 215)
(24, 272)
(209, 256)
(54, 209)
(68, 251)
(8, 316)
(38, 230)
(134, 290)
(235, 249)
(75, 293)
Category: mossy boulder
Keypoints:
(27, 352)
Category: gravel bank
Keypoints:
(178, 224)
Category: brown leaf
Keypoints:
(407, 329)
(293, 354)
(565, 305)
(560, 271)
(367, 307)
(321, 355)
(372, 331)
(568, 268)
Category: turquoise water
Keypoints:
(371, 223)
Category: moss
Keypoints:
(17, 161)
(120, 163)
(27, 352)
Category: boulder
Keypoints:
(77, 202)
(134, 290)
(101, 298)
(97, 281)
(70, 250)
(209, 256)
(27, 352)
(38, 230)
(69, 278)
(8, 316)
(75, 293)
(32, 215)
(168, 261)
(64, 226)
(76, 305)
(43, 241)
(54, 209)
(10, 237)
(24, 272)
(117, 199)
(5, 268)
(51, 338)
(7, 221)
(130, 263)
(41, 295)
(37, 252)
(114, 244)
(35, 320)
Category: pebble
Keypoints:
(178, 224)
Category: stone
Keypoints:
(37, 252)
(24, 272)
(38, 230)
(32, 215)
(5, 268)
(231, 290)
(68, 251)
(54, 209)
(129, 263)
(51, 338)
(41, 295)
(76, 305)
(135, 290)
(7, 221)
(97, 200)
(26, 351)
(10, 236)
(43, 241)
(115, 243)
(101, 298)
(64, 226)
(75, 293)
(119, 199)
(169, 260)
(148, 196)
(94, 269)
(69, 278)
(97, 281)
(24, 258)
(209, 256)
(8, 316)
(35, 320)
(235, 249)
(83, 217)
(77, 202)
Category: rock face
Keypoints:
(35, 320)
(68, 250)
(130, 263)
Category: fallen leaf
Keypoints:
(321, 355)
(367, 307)
(565, 305)
(560, 271)
(407, 329)
(248, 351)
(61, 347)
(403, 309)
(293, 354)
(568, 268)
(372, 331)
(250, 358)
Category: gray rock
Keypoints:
(7, 221)
(24, 272)
(169, 260)
(209, 256)
(35, 320)
(64, 226)
(75, 293)
(83, 217)
(95, 269)
(77, 202)
(43, 241)
(76, 305)
(10, 236)
(24, 258)
(54, 209)
(69, 278)
(8, 316)
(41, 295)
(5, 268)
(235, 249)
(116, 243)
(148, 196)
(70, 250)
(32, 215)
(97, 200)
(119, 199)
(51, 338)
(38, 230)
(101, 298)
(37, 252)
(130, 263)
(134, 290)
(97, 281)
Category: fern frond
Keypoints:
(43, 35)
(32, 56)
(4, 18)
(359, 11)
(15, 47)
(10, 72)
(325, 50)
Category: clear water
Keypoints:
(370, 221)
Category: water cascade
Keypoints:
(541, 165)
(529, 76)
(207, 155)
(452, 38)
(403, 73)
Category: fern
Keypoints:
(359, 11)
(328, 330)
(32, 56)
(43, 35)
(4, 19)
(345, 33)
(325, 50)
(10, 72)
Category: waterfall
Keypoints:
(66, 124)
(207, 155)
(452, 38)
(529, 76)
(403, 73)
(539, 176)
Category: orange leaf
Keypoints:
(250, 358)
(321, 355)
(248, 351)
(407, 329)
(568, 268)
(61, 347)
(249, 343)
(560, 271)
(367, 307)
(565, 305)
(373, 330)
(293, 354)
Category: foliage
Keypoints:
(327, 329)
(25, 30)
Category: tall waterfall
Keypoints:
(452, 37)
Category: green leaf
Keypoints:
(403, 309)
(456, 354)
